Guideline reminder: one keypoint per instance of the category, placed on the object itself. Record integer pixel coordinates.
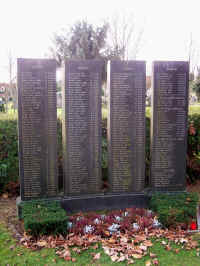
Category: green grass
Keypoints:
(13, 254)
(194, 109)
(8, 116)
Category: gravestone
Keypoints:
(169, 125)
(126, 125)
(82, 127)
(37, 123)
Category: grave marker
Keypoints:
(37, 123)
(82, 127)
(126, 125)
(169, 125)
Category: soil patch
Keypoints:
(9, 218)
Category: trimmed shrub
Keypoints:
(193, 151)
(44, 218)
(173, 209)
(8, 152)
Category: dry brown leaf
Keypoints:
(41, 243)
(77, 250)
(155, 262)
(95, 246)
(107, 233)
(193, 244)
(12, 247)
(177, 250)
(183, 240)
(114, 257)
(147, 243)
(148, 263)
(137, 256)
(130, 261)
(5, 195)
(124, 239)
(152, 255)
(138, 250)
(121, 258)
(168, 248)
(142, 247)
(140, 238)
(112, 240)
(67, 258)
(67, 253)
(97, 256)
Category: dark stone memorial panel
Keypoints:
(126, 125)
(82, 127)
(37, 123)
(169, 125)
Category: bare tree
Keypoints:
(12, 80)
(124, 37)
(193, 55)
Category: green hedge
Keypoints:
(173, 209)
(9, 150)
(44, 218)
(193, 149)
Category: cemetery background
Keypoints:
(9, 138)
(191, 132)
(10, 162)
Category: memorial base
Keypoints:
(105, 202)
(96, 202)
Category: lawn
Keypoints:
(11, 253)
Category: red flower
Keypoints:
(193, 225)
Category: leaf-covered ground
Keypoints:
(138, 246)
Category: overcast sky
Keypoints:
(27, 26)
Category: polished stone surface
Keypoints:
(169, 125)
(82, 127)
(126, 125)
(37, 123)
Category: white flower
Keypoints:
(136, 226)
(118, 218)
(156, 223)
(103, 216)
(88, 229)
(96, 221)
(149, 212)
(125, 214)
(114, 227)
(69, 225)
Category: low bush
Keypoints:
(193, 150)
(8, 152)
(173, 209)
(44, 218)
